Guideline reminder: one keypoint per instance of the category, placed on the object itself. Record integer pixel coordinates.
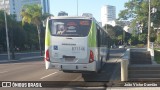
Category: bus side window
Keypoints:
(102, 38)
(98, 36)
(50, 26)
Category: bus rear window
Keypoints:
(70, 27)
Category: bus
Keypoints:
(75, 44)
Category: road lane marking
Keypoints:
(48, 75)
(122, 54)
(3, 72)
(77, 78)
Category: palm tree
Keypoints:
(33, 14)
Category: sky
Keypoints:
(84, 6)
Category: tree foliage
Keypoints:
(33, 14)
(158, 38)
(16, 33)
(117, 34)
(137, 11)
(142, 38)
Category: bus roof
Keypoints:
(71, 17)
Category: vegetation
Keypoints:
(117, 34)
(32, 14)
(23, 36)
(140, 45)
(16, 34)
(157, 56)
(137, 11)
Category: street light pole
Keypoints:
(77, 7)
(7, 39)
(149, 25)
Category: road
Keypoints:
(34, 70)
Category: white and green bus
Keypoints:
(75, 44)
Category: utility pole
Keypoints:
(149, 25)
(7, 39)
(77, 7)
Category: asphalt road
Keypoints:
(35, 71)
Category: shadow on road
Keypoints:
(104, 76)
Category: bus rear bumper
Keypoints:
(75, 67)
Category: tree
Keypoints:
(142, 38)
(31, 34)
(137, 10)
(117, 34)
(112, 33)
(33, 14)
(153, 35)
(2, 30)
(110, 30)
(16, 33)
(158, 38)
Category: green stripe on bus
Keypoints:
(47, 37)
(92, 36)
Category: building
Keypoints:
(7, 5)
(108, 15)
(62, 13)
(45, 6)
(14, 7)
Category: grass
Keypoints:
(138, 46)
(132, 46)
(157, 56)
(156, 48)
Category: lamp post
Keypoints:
(7, 39)
(149, 26)
(77, 7)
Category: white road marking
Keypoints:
(3, 72)
(48, 75)
(122, 54)
(76, 79)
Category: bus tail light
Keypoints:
(91, 57)
(47, 55)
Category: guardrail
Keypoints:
(124, 65)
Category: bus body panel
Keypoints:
(68, 50)
(75, 67)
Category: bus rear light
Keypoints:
(47, 56)
(91, 57)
